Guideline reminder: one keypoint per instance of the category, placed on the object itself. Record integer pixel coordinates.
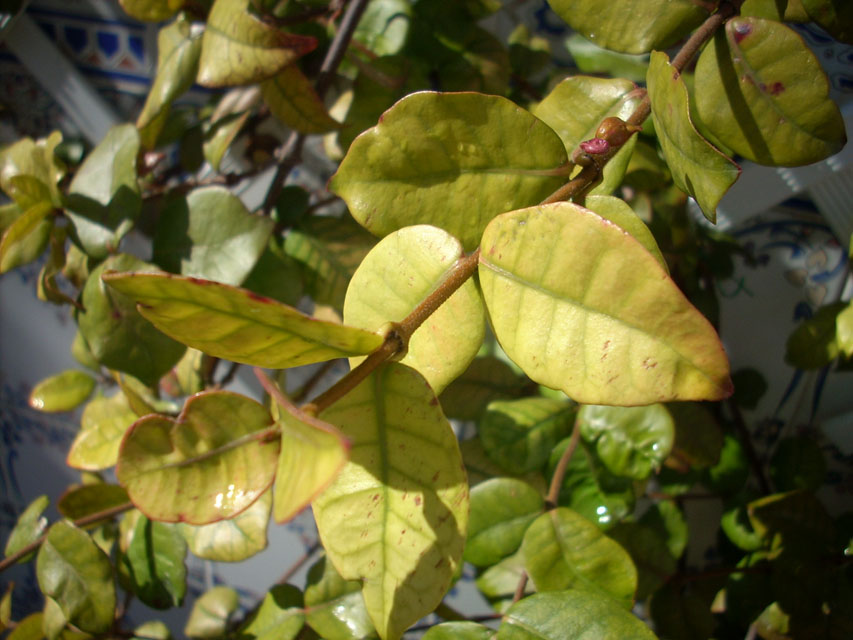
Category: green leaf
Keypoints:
(178, 51)
(787, 10)
(329, 250)
(697, 167)
(384, 26)
(590, 58)
(750, 387)
(459, 631)
(78, 577)
(54, 619)
(520, 434)
(155, 564)
(621, 214)
(798, 463)
(564, 550)
(397, 275)
(765, 96)
(631, 441)
(844, 330)
(210, 463)
(30, 628)
(501, 510)
(27, 191)
(117, 335)
(79, 502)
(28, 528)
(238, 325)
(334, 607)
(735, 522)
(25, 239)
(210, 234)
(35, 159)
(432, 153)
(276, 275)
(151, 10)
(219, 136)
(665, 517)
(279, 617)
(798, 519)
(698, 439)
(582, 307)
(649, 554)
(292, 99)
(234, 539)
(485, 380)
(102, 426)
(623, 25)
(731, 472)
(6, 607)
(480, 467)
(238, 48)
(396, 515)
(103, 199)
(153, 630)
(211, 613)
(813, 344)
(836, 16)
(62, 392)
(571, 615)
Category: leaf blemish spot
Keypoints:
(418, 500)
(742, 30)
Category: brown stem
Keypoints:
(553, 497)
(300, 394)
(520, 587)
(300, 562)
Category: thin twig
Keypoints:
(520, 587)
(300, 562)
(553, 497)
(300, 394)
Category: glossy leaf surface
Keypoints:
(396, 516)
(211, 613)
(621, 214)
(599, 318)
(432, 154)
(78, 577)
(155, 563)
(238, 325)
(631, 441)
(34, 159)
(292, 99)
(62, 392)
(384, 26)
(563, 550)
(29, 526)
(210, 235)
(765, 96)
(398, 274)
(623, 25)
(234, 539)
(697, 167)
(238, 48)
(25, 239)
(520, 434)
(571, 615)
(334, 607)
(82, 501)
(211, 463)
(485, 380)
(102, 426)
(279, 616)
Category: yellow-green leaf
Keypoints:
(103, 425)
(621, 214)
(238, 48)
(62, 392)
(581, 306)
(397, 514)
(433, 154)
(212, 612)
(25, 239)
(28, 528)
(82, 501)
(234, 539)
(36, 159)
(151, 10)
(280, 616)
(292, 99)
(238, 325)
(210, 463)
(399, 273)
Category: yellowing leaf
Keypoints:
(292, 99)
(396, 515)
(62, 392)
(103, 425)
(151, 10)
(581, 306)
(234, 539)
(25, 239)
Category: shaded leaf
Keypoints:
(234, 539)
(813, 344)
(384, 26)
(679, 615)
(79, 502)
(621, 214)
(155, 564)
(102, 426)
(211, 613)
(30, 628)
(6, 607)
(62, 392)
(501, 511)
(750, 387)
(797, 517)
(432, 152)
(210, 463)
(730, 473)
(210, 234)
(648, 552)
(25, 239)
(797, 463)
(836, 16)
(557, 280)
(334, 607)
(78, 577)
(590, 58)
(698, 168)
(220, 135)
(459, 631)
(279, 616)
(396, 515)
(397, 275)
(292, 99)
(486, 379)
(765, 96)
(665, 517)
(276, 275)
(698, 439)
(28, 528)
(236, 324)
(735, 523)
(787, 10)
(238, 48)
(480, 467)
(151, 10)
(499, 582)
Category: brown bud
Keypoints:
(614, 130)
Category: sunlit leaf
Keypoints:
(697, 167)
(220, 135)
(103, 199)
(590, 58)
(798, 463)
(102, 426)
(210, 463)
(384, 26)
(155, 564)
(571, 615)
(564, 550)
(210, 234)
(238, 325)
(765, 96)
(35, 159)
(398, 274)
(279, 616)
(631, 441)
(624, 25)
(431, 153)
(292, 99)
(620, 213)
(836, 16)
(520, 434)
(62, 392)
(485, 380)
(844, 330)
(813, 344)
(25, 239)
(238, 48)
(28, 528)
(649, 553)
(459, 631)
(78, 577)
(234, 539)
(211, 613)
(82, 501)
(334, 607)
(581, 306)
(396, 515)
(151, 10)
(152, 630)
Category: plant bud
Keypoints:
(614, 130)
